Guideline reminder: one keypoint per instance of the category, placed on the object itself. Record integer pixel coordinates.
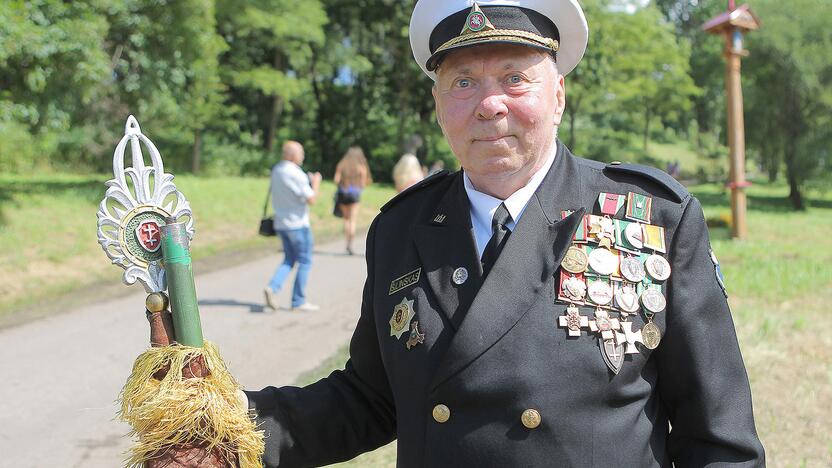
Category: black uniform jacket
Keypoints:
(493, 348)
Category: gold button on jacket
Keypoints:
(530, 418)
(441, 413)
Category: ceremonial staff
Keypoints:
(180, 392)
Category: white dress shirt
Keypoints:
(483, 205)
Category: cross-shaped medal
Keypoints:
(573, 321)
(604, 324)
(631, 337)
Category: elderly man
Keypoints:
(534, 309)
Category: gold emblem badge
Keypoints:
(400, 320)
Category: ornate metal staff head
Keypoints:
(134, 208)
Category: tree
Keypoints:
(650, 69)
(270, 51)
(51, 65)
(789, 83)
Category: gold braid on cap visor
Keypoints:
(515, 35)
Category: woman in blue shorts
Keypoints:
(352, 174)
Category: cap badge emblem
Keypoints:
(476, 21)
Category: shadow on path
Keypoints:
(252, 307)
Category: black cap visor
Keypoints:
(514, 25)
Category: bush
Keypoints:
(224, 158)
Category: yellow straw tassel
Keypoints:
(176, 410)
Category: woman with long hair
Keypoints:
(352, 175)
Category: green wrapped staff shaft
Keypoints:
(181, 289)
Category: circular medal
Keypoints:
(653, 300)
(634, 236)
(627, 299)
(574, 289)
(460, 276)
(575, 261)
(632, 269)
(603, 261)
(657, 267)
(600, 292)
(651, 336)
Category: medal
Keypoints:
(610, 203)
(657, 267)
(573, 321)
(574, 289)
(612, 353)
(602, 230)
(632, 269)
(611, 342)
(631, 337)
(603, 262)
(600, 292)
(626, 299)
(575, 261)
(634, 235)
(653, 300)
(639, 207)
(400, 320)
(653, 237)
(415, 337)
(651, 335)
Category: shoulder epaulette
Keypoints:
(656, 175)
(429, 180)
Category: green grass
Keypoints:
(780, 287)
(48, 227)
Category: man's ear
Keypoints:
(560, 96)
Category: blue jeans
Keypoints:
(297, 247)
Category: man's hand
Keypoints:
(315, 181)
(189, 455)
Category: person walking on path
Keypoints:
(292, 192)
(352, 174)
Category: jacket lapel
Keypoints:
(529, 259)
(445, 243)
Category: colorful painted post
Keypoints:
(181, 289)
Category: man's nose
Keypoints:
(492, 105)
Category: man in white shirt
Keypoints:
(292, 192)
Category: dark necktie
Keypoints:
(499, 236)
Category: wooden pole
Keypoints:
(736, 140)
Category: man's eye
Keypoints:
(463, 83)
(515, 79)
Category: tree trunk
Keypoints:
(794, 193)
(197, 153)
(794, 127)
(277, 108)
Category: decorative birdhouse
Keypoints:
(733, 24)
